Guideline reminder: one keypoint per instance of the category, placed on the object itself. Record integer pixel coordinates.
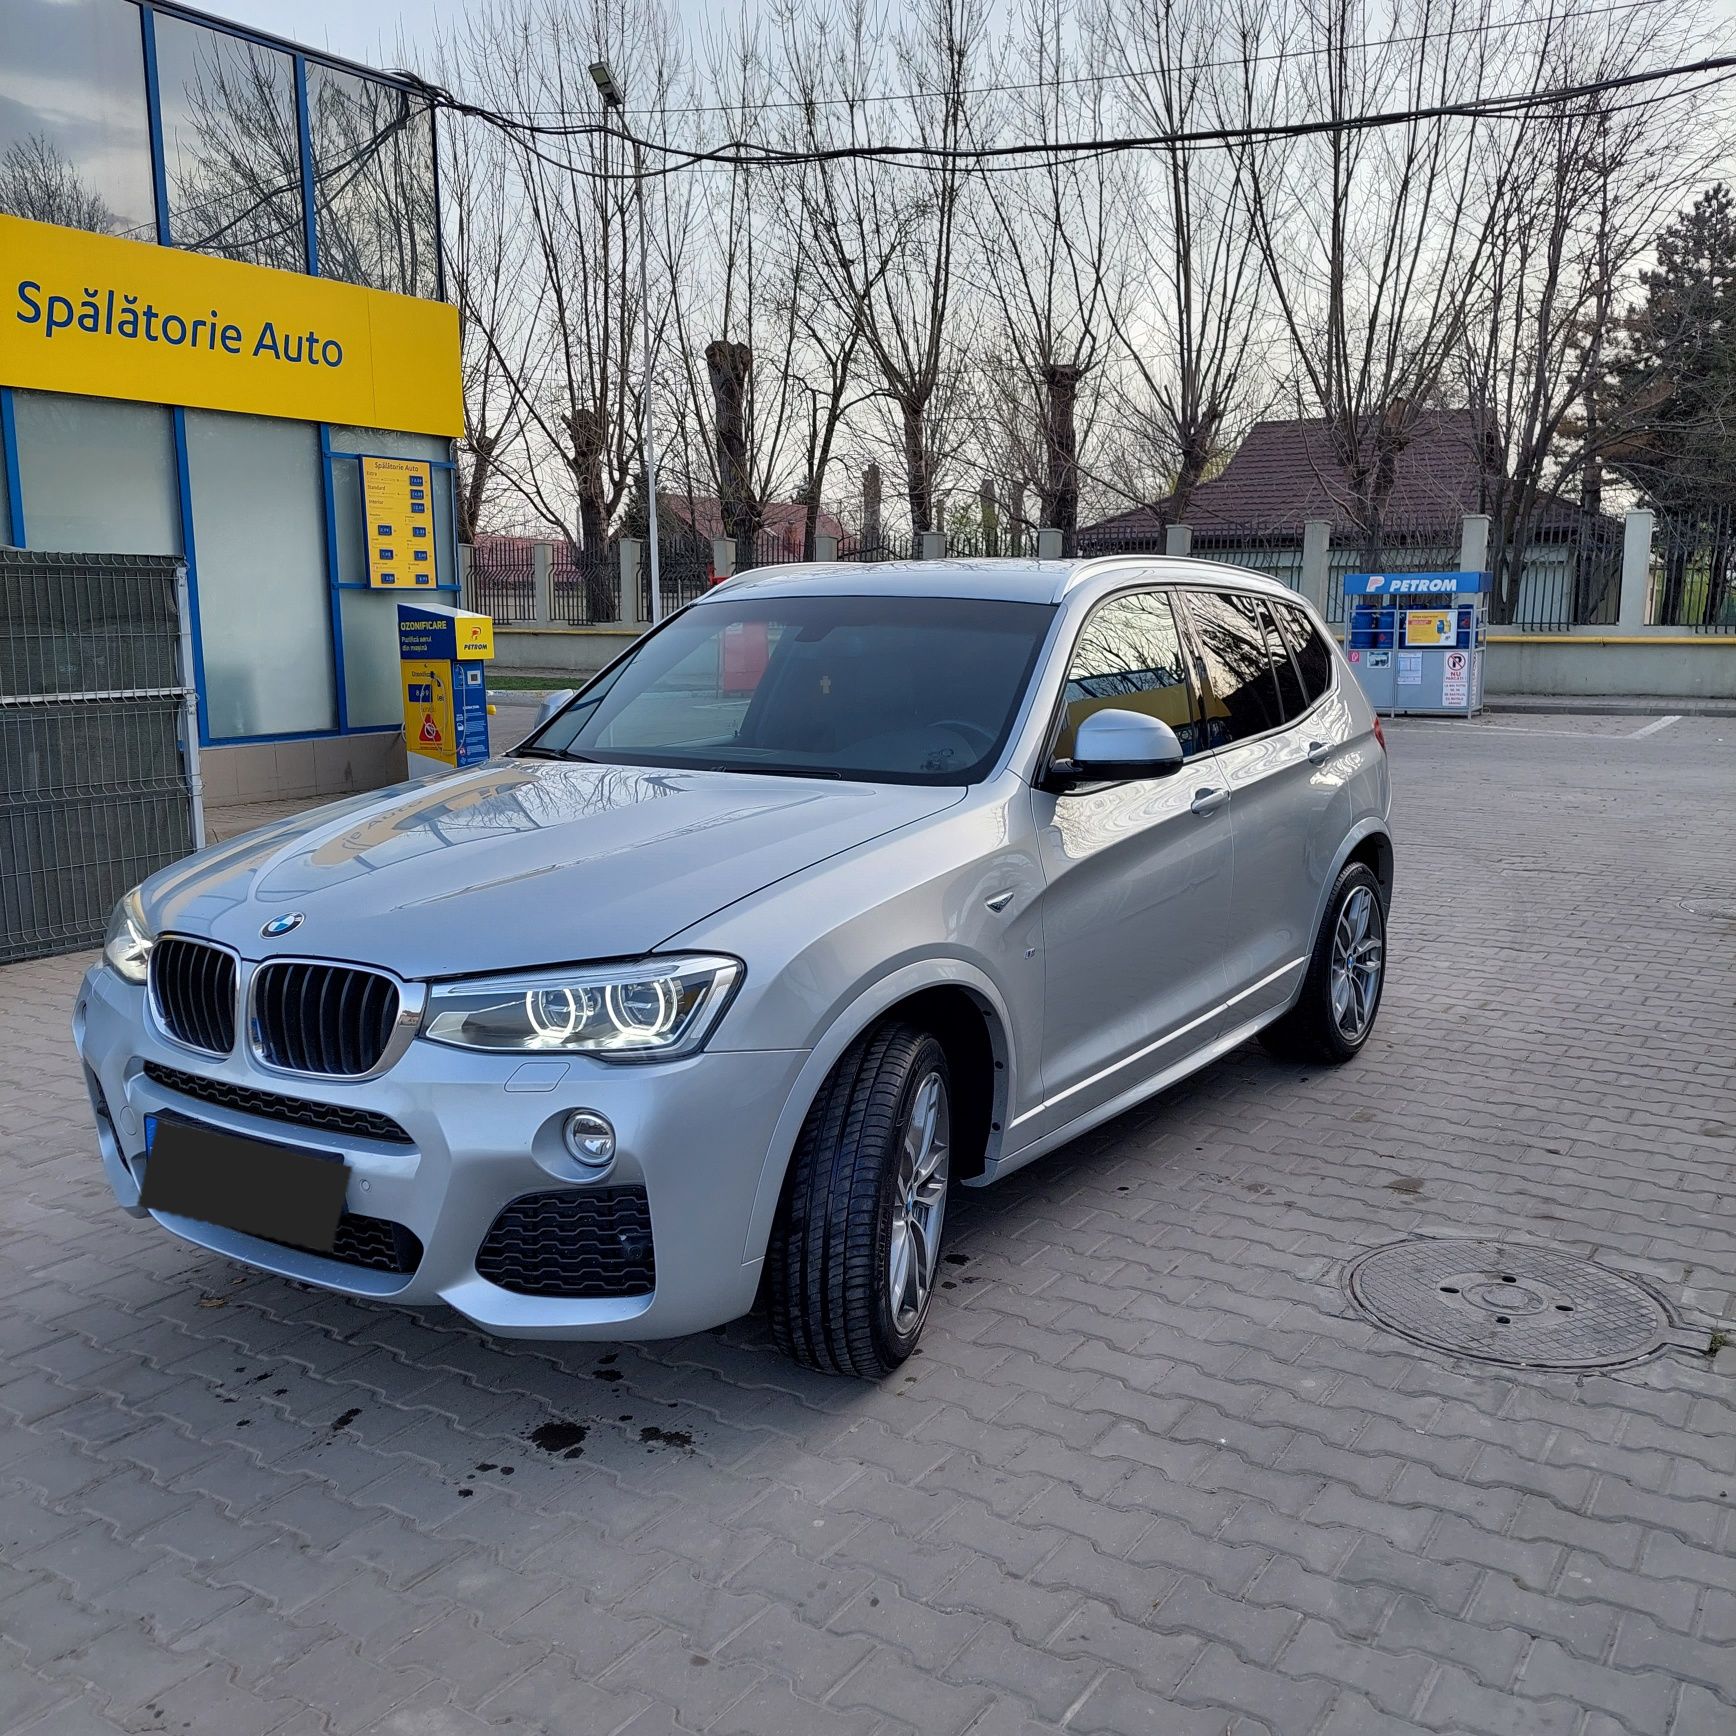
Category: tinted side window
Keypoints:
(1241, 697)
(1289, 682)
(1129, 657)
(1313, 655)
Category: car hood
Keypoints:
(520, 863)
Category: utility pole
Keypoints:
(614, 102)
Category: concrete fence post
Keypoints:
(1636, 568)
(1048, 544)
(722, 557)
(632, 555)
(931, 545)
(542, 586)
(465, 552)
(825, 547)
(1474, 543)
(1316, 561)
(1178, 539)
(988, 510)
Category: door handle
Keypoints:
(1208, 801)
(1319, 752)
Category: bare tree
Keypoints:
(374, 183)
(1192, 371)
(1047, 253)
(567, 340)
(736, 322)
(885, 236)
(232, 149)
(1375, 241)
(37, 182)
(1579, 195)
(501, 338)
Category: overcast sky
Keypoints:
(368, 30)
(364, 30)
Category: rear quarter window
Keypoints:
(1313, 655)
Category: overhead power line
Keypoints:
(746, 154)
(1115, 75)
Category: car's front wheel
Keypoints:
(1341, 993)
(853, 1257)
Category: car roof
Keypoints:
(1012, 581)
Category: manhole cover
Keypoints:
(1718, 909)
(1504, 1302)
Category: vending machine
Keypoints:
(442, 652)
(1416, 641)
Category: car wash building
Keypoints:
(223, 339)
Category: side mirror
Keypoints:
(1117, 747)
(552, 702)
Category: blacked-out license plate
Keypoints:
(243, 1184)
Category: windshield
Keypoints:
(919, 690)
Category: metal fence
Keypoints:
(1004, 542)
(883, 546)
(1566, 575)
(98, 746)
(502, 581)
(585, 584)
(771, 549)
(1410, 546)
(1693, 578)
(683, 572)
(1413, 546)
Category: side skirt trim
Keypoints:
(1169, 1037)
(1123, 1100)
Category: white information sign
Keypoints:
(1456, 680)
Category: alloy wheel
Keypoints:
(1358, 958)
(919, 1201)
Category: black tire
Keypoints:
(828, 1283)
(1311, 1030)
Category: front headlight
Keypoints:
(126, 948)
(650, 1011)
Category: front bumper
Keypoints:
(694, 1134)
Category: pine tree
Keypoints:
(1674, 425)
(1675, 418)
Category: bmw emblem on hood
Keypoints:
(282, 924)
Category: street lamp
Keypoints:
(614, 101)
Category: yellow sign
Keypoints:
(398, 499)
(106, 318)
(428, 725)
(474, 635)
(1430, 627)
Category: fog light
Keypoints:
(590, 1138)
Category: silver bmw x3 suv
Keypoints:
(845, 886)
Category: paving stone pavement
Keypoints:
(1149, 1473)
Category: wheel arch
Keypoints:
(1373, 848)
(964, 1010)
(1369, 842)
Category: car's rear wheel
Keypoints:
(853, 1257)
(1335, 1012)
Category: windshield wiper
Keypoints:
(770, 771)
(554, 753)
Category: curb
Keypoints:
(1608, 705)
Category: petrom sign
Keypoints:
(105, 318)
